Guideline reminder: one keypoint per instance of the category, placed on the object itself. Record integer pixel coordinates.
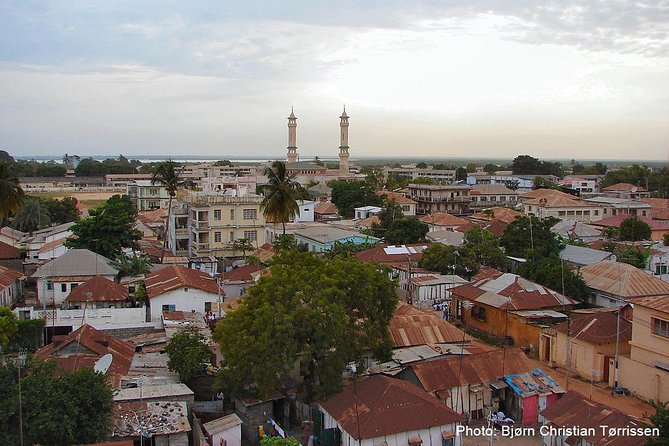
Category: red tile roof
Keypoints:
(486, 272)
(624, 187)
(558, 201)
(544, 193)
(479, 368)
(616, 220)
(8, 276)
(510, 291)
(242, 273)
(325, 207)
(386, 406)
(98, 289)
(505, 214)
(575, 410)
(174, 277)
(93, 345)
(597, 328)
(443, 219)
(410, 326)
(659, 303)
(8, 251)
(495, 226)
(396, 197)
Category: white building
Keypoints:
(306, 211)
(11, 286)
(44, 237)
(57, 278)
(226, 430)
(147, 195)
(396, 413)
(366, 212)
(427, 290)
(176, 288)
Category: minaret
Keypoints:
(292, 137)
(343, 146)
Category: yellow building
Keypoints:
(645, 371)
(587, 344)
(208, 225)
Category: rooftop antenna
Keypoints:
(102, 365)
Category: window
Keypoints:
(153, 191)
(63, 287)
(207, 307)
(478, 313)
(73, 286)
(169, 307)
(251, 236)
(232, 214)
(250, 214)
(596, 212)
(49, 286)
(660, 269)
(232, 236)
(560, 213)
(660, 327)
(217, 237)
(217, 214)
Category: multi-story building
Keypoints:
(412, 173)
(429, 198)
(147, 196)
(492, 195)
(646, 370)
(585, 184)
(207, 225)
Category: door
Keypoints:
(605, 372)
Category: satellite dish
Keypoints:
(103, 364)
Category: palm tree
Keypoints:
(281, 194)
(133, 266)
(31, 216)
(166, 174)
(11, 194)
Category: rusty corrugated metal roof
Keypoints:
(410, 326)
(478, 368)
(379, 406)
(597, 328)
(623, 280)
(575, 410)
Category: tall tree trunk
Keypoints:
(283, 225)
(167, 229)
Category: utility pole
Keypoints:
(615, 372)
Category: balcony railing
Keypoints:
(461, 199)
(181, 232)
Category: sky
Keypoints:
(442, 78)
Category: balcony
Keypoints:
(460, 199)
(201, 224)
(181, 232)
(201, 246)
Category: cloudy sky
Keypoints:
(442, 78)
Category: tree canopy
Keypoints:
(188, 351)
(11, 194)
(31, 217)
(62, 210)
(348, 195)
(8, 327)
(108, 229)
(530, 235)
(281, 194)
(320, 312)
(528, 165)
(60, 407)
(406, 230)
(633, 229)
(660, 420)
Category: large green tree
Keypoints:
(281, 194)
(133, 265)
(11, 194)
(526, 236)
(61, 211)
(322, 313)
(633, 229)
(348, 195)
(552, 273)
(406, 230)
(188, 352)
(32, 216)
(448, 260)
(59, 407)
(8, 327)
(108, 228)
(483, 246)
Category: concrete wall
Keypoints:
(585, 357)
(99, 318)
(56, 295)
(643, 380)
(183, 299)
